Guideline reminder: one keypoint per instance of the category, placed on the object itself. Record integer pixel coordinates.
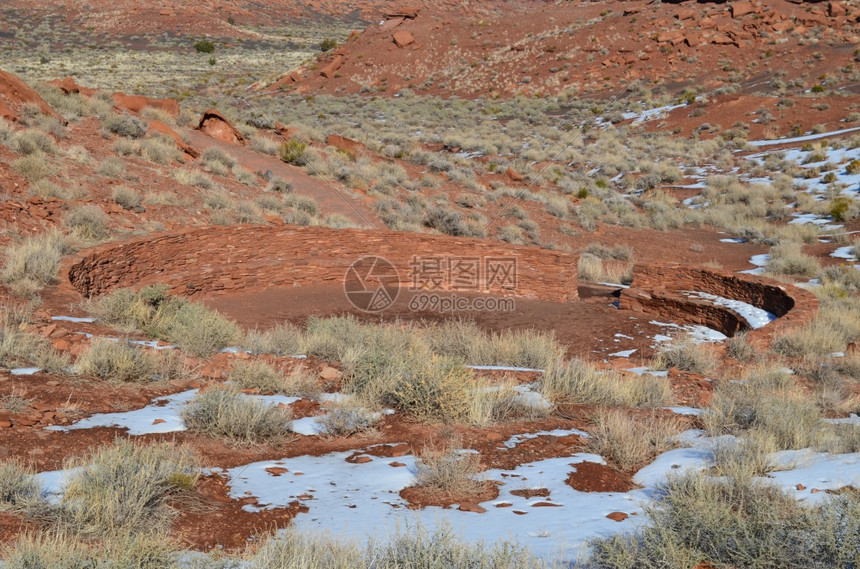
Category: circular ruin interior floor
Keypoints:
(589, 326)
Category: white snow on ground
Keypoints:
(733, 240)
(823, 221)
(852, 419)
(650, 114)
(685, 410)
(503, 368)
(698, 334)
(141, 421)
(756, 317)
(519, 439)
(760, 262)
(308, 426)
(806, 138)
(623, 354)
(645, 370)
(816, 470)
(25, 370)
(824, 168)
(72, 319)
(355, 500)
(844, 253)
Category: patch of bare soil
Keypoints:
(420, 497)
(211, 518)
(595, 477)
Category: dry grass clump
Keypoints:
(409, 546)
(576, 381)
(225, 413)
(740, 347)
(61, 548)
(744, 457)
(348, 417)
(744, 523)
(786, 258)
(257, 374)
(113, 167)
(627, 441)
(199, 330)
(769, 405)
(88, 222)
(836, 324)
(124, 487)
(600, 263)
(33, 167)
(281, 340)
(159, 150)
(192, 326)
(124, 125)
(521, 348)
(434, 388)
(685, 354)
(32, 141)
(20, 490)
(193, 178)
(448, 470)
(490, 404)
(126, 197)
(18, 347)
(33, 263)
(123, 361)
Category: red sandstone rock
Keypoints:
(836, 9)
(14, 93)
(742, 8)
(513, 175)
(136, 103)
(396, 464)
(217, 126)
(617, 516)
(403, 38)
(276, 470)
(800, 487)
(158, 421)
(343, 143)
(158, 126)
(670, 36)
(471, 507)
(685, 14)
(409, 11)
(390, 24)
(68, 86)
(329, 70)
(329, 373)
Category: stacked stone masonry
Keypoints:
(217, 260)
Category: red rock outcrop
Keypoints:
(136, 103)
(217, 126)
(403, 38)
(163, 128)
(343, 143)
(330, 69)
(68, 86)
(14, 94)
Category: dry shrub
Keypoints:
(627, 441)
